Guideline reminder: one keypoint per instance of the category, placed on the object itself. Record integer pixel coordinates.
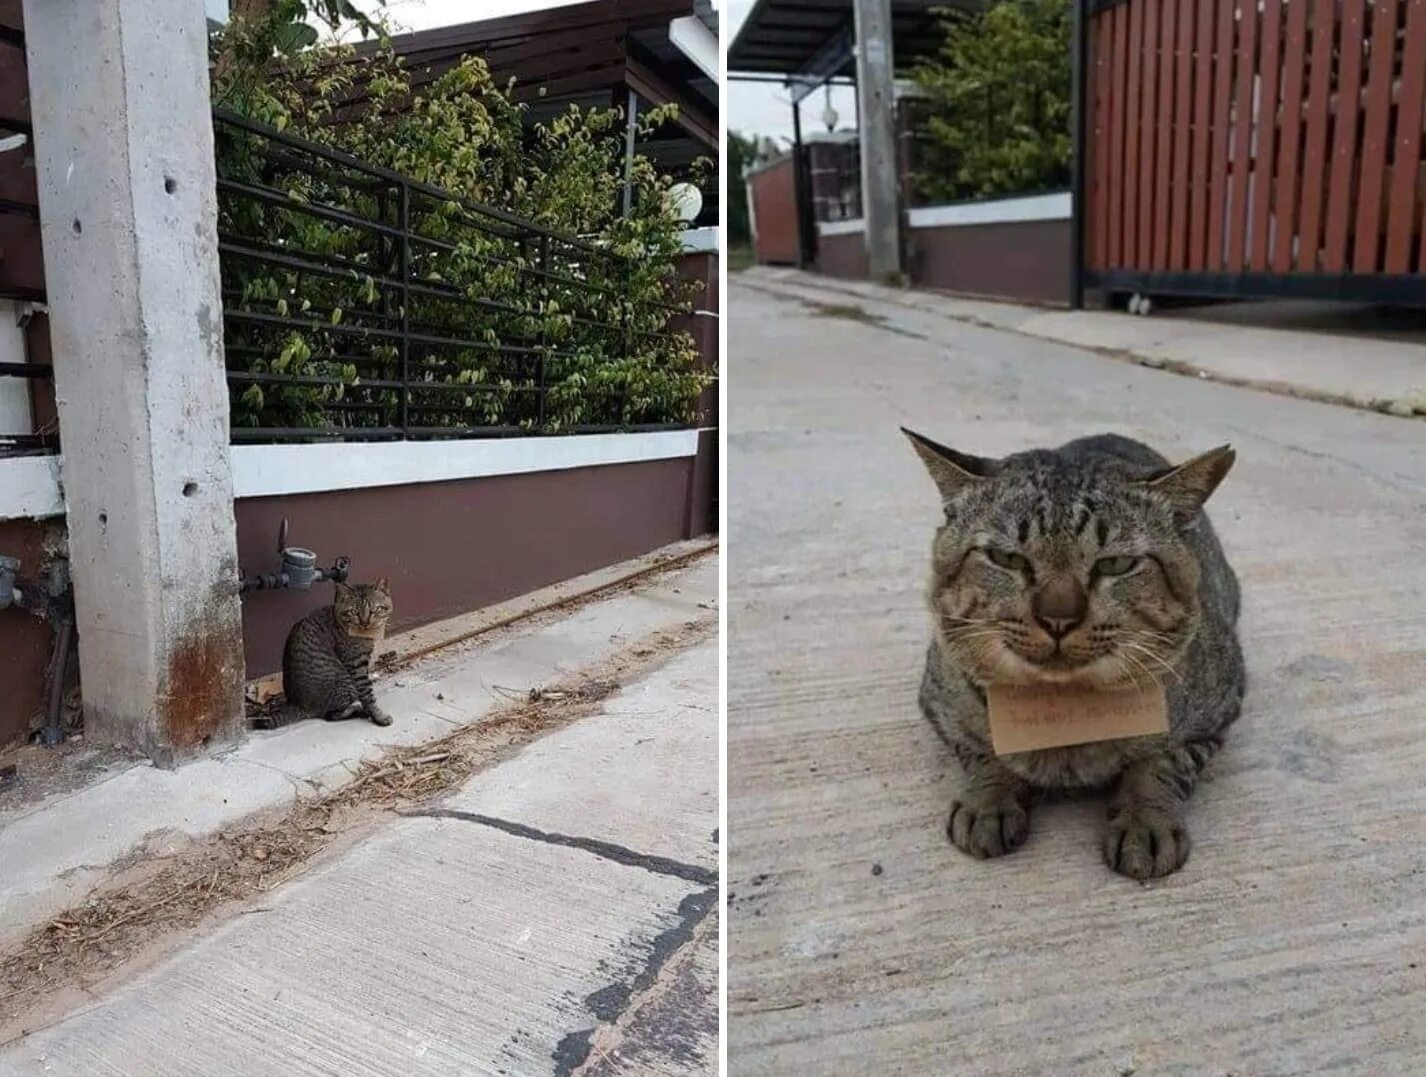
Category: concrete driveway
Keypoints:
(860, 941)
(557, 915)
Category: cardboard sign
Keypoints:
(1024, 719)
(357, 632)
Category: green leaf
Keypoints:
(294, 36)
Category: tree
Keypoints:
(995, 117)
(501, 316)
(742, 151)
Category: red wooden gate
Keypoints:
(1256, 148)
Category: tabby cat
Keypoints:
(1090, 564)
(326, 665)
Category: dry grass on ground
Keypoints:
(119, 920)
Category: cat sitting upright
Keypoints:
(326, 665)
(1091, 564)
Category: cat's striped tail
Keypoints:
(284, 715)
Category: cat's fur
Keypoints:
(1049, 607)
(326, 670)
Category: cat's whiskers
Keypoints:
(1149, 652)
(1130, 665)
(967, 637)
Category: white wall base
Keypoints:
(1054, 206)
(30, 485)
(29, 488)
(269, 470)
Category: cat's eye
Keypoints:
(1115, 566)
(1007, 559)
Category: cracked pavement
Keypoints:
(556, 915)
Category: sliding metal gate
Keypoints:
(1255, 148)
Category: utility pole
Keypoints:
(128, 217)
(876, 115)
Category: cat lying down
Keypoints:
(1094, 565)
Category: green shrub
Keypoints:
(995, 116)
(605, 346)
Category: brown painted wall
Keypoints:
(453, 547)
(448, 548)
(842, 256)
(1021, 261)
(24, 639)
(1026, 261)
(703, 324)
(774, 201)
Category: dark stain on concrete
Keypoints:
(571, 1051)
(679, 1026)
(609, 1002)
(210, 329)
(1310, 755)
(607, 850)
(1318, 667)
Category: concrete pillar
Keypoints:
(876, 115)
(124, 157)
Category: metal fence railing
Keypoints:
(19, 224)
(360, 304)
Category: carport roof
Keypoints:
(814, 37)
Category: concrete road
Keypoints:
(558, 915)
(1269, 345)
(860, 941)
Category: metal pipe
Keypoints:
(631, 129)
(283, 581)
(53, 731)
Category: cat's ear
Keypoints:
(343, 589)
(951, 471)
(1189, 485)
(383, 586)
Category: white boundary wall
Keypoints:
(1054, 206)
(30, 485)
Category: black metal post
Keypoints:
(799, 186)
(404, 212)
(1079, 60)
(540, 370)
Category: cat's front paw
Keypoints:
(1145, 843)
(988, 826)
(379, 716)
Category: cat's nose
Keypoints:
(1060, 605)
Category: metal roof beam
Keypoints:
(829, 60)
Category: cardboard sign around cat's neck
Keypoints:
(374, 632)
(1027, 719)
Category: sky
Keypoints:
(764, 108)
(426, 14)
